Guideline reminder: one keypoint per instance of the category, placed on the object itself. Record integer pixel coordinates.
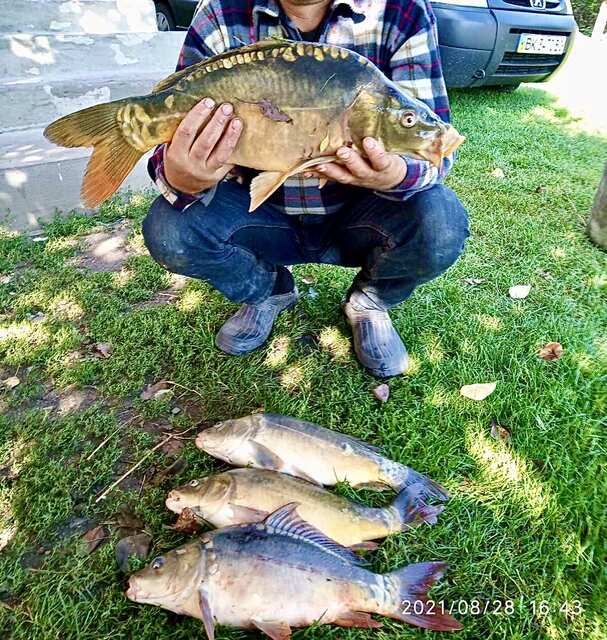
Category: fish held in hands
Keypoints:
(298, 104)
(250, 495)
(308, 451)
(284, 573)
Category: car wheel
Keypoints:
(164, 19)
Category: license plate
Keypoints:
(541, 44)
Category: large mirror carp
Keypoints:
(299, 102)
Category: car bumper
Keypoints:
(478, 46)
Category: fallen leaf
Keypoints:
(187, 522)
(156, 390)
(519, 291)
(128, 523)
(40, 239)
(172, 447)
(499, 433)
(382, 392)
(498, 173)
(12, 382)
(478, 391)
(104, 349)
(95, 537)
(5, 279)
(474, 281)
(551, 351)
(137, 546)
(308, 279)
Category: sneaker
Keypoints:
(377, 345)
(251, 325)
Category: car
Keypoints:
(174, 14)
(503, 42)
(482, 42)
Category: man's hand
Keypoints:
(380, 171)
(196, 157)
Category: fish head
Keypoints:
(207, 495)
(228, 440)
(169, 580)
(409, 127)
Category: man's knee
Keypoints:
(441, 229)
(173, 239)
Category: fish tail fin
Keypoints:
(413, 606)
(401, 477)
(113, 156)
(411, 508)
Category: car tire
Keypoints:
(164, 18)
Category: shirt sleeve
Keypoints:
(205, 38)
(415, 67)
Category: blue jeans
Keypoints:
(396, 245)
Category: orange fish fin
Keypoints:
(242, 514)
(364, 546)
(113, 157)
(273, 629)
(267, 182)
(207, 615)
(357, 619)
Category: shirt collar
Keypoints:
(271, 7)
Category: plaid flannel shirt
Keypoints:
(399, 36)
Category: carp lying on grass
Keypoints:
(308, 451)
(249, 495)
(284, 573)
(299, 102)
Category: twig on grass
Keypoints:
(186, 388)
(133, 468)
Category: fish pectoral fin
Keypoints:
(274, 629)
(267, 182)
(207, 615)
(357, 619)
(265, 458)
(247, 514)
(364, 546)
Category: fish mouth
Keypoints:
(442, 146)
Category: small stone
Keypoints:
(382, 392)
(175, 410)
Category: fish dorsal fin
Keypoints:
(287, 521)
(171, 80)
(174, 78)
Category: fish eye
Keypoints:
(158, 563)
(408, 119)
(194, 483)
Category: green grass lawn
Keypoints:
(527, 519)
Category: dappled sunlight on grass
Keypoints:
(558, 253)
(489, 322)
(293, 377)
(336, 343)
(414, 366)
(278, 352)
(121, 278)
(31, 333)
(433, 349)
(440, 397)
(64, 307)
(190, 300)
(504, 476)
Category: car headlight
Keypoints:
(467, 3)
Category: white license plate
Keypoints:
(541, 44)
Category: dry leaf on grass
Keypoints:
(104, 349)
(519, 291)
(137, 546)
(478, 391)
(474, 281)
(172, 447)
(499, 433)
(12, 382)
(187, 522)
(308, 279)
(128, 523)
(95, 537)
(551, 351)
(382, 392)
(156, 390)
(498, 173)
